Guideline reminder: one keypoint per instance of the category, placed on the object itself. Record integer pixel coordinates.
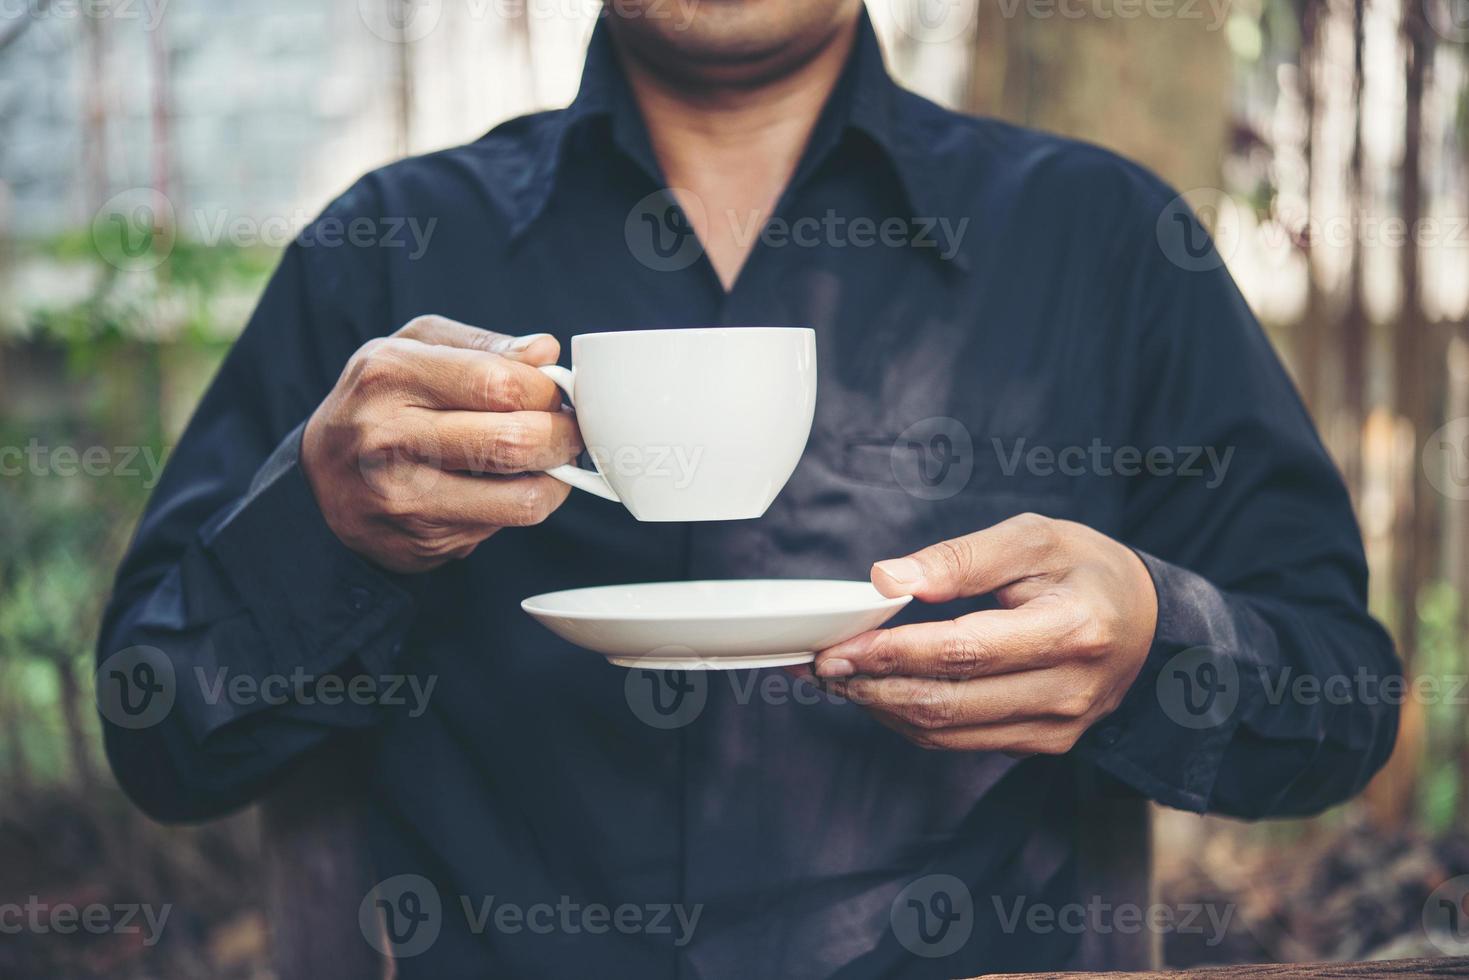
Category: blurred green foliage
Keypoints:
(119, 367)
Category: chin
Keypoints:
(700, 37)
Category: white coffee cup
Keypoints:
(703, 424)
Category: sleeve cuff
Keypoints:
(314, 602)
(1168, 737)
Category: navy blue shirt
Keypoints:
(1006, 321)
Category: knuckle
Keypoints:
(421, 325)
(932, 710)
(881, 659)
(377, 362)
(954, 557)
(1059, 742)
(532, 503)
(925, 739)
(502, 385)
(513, 446)
(1090, 635)
(431, 549)
(1039, 529)
(1074, 704)
(963, 654)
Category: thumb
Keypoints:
(971, 565)
(534, 349)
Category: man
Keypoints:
(1043, 410)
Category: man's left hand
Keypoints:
(1077, 620)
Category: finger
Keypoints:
(460, 500)
(1058, 695)
(1015, 739)
(974, 564)
(502, 442)
(440, 377)
(532, 348)
(990, 642)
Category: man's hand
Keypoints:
(1079, 610)
(431, 440)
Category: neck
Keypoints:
(729, 146)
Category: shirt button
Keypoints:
(360, 599)
(1108, 736)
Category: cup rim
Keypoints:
(696, 331)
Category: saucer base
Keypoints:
(738, 662)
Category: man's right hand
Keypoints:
(432, 440)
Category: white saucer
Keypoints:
(715, 625)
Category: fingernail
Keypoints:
(835, 667)
(517, 344)
(904, 571)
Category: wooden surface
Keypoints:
(1115, 861)
(1396, 969)
(317, 872)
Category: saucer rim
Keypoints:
(883, 602)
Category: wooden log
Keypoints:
(1115, 862)
(317, 872)
(1394, 969)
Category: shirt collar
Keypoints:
(866, 99)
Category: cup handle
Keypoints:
(589, 480)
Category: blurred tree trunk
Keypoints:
(74, 701)
(1411, 370)
(1457, 539)
(1312, 328)
(1354, 327)
(94, 115)
(18, 780)
(404, 89)
(1154, 89)
(1396, 787)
